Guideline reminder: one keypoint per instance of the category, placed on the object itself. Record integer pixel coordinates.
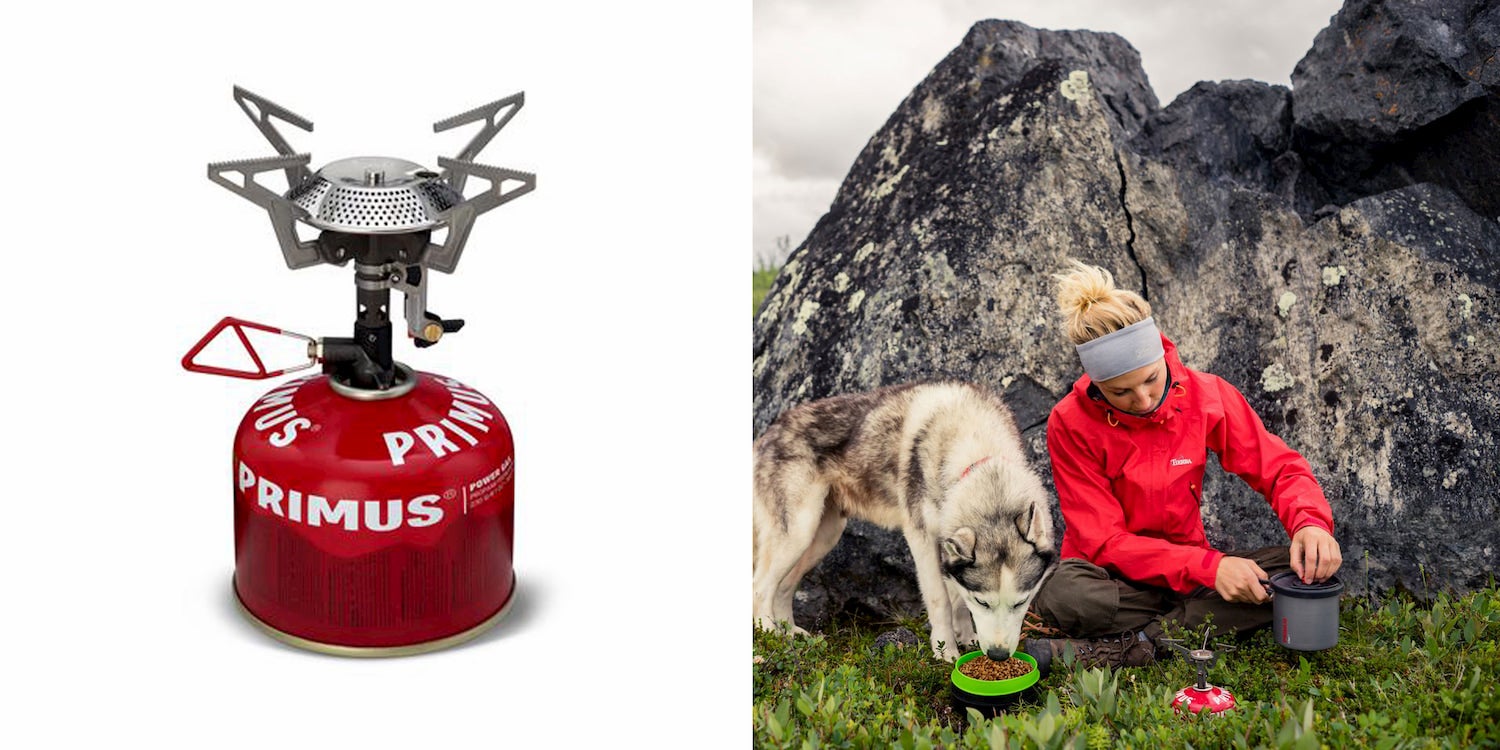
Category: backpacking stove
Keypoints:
(1201, 696)
(373, 504)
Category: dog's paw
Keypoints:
(771, 624)
(779, 626)
(945, 651)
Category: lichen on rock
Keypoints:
(1275, 378)
(1284, 303)
(1332, 275)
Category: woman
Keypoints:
(1128, 446)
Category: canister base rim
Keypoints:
(334, 649)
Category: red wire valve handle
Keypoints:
(260, 373)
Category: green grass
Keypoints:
(764, 275)
(1402, 675)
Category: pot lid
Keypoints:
(1290, 585)
(375, 195)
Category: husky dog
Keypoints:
(943, 463)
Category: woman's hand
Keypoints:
(1239, 580)
(1315, 554)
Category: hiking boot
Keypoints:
(1129, 649)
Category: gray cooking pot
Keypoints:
(1306, 615)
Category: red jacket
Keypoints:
(1130, 486)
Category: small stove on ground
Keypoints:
(1201, 695)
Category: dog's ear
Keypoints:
(1030, 526)
(959, 548)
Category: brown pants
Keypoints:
(1086, 601)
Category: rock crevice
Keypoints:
(1130, 227)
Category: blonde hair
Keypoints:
(1093, 306)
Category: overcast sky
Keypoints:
(829, 72)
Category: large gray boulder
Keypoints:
(1402, 91)
(1361, 332)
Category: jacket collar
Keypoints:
(1095, 404)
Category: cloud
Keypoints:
(829, 72)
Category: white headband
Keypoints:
(1117, 353)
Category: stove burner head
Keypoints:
(375, 195)
(380, 213)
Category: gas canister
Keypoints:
(380, 524)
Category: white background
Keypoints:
(605, 315)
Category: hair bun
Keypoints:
(1092, 305)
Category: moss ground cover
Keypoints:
(1404, 674)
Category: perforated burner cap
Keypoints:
(375, 195)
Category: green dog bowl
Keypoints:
(990, 697)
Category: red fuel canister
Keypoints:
(374, 526)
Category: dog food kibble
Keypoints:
(984, 668)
